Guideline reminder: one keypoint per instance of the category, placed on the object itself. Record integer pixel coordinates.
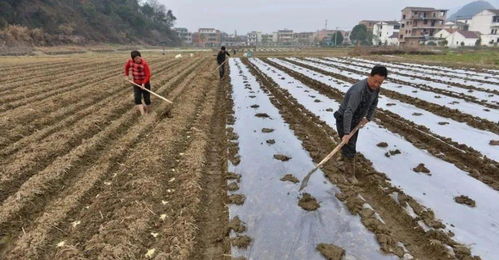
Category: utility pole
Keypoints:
(325, 25)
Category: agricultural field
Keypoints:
(216, 174)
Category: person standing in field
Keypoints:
(220, 60)
(358, 107)
(141, 75)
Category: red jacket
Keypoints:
(140, 71)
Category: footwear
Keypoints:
(349, 169)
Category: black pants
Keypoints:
(138, 93)
(221, 70)
(349, 149)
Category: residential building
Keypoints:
(233, 40)
(268, 40)
(284, 37)
(184, 35)
(444, 33)
(419, 24)
(323, 34)
(254, 38)
(369, 24)
(207, 37)
(462, 39)
(303, 38)
(487, 23)
(393, 40)
(383, 30)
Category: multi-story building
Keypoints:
(184, 35)
(382, 31)
(487, 23)
(369, 24)
(419, 24)
(233, 40)
(284, 37)
(323, 34)
(268, 40)
(207, 37)
(303, 38)
(254, 38)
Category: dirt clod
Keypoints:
(233, 176)
(309, 203)
(237, 199)
(267, 130)
(237, 225)
(241, 241)
(494, 142)
(382, 144)
(233, 186)
(255, 106)
(465, 200)
(417, 114)
(443, 123)
(263, 115)
(392, 152)
(290, 177)
(331, 252)
(282, 157)
(421, 168)
(270, 141)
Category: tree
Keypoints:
(360, 35)
(337, 38)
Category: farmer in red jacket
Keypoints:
(141, 75)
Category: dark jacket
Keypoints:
(360, 101)
(221, 56)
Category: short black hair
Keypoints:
(135, 54)
(223, 48)
(379, 70)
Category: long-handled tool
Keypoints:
(220, 65)
(304, 182)
(150, 92)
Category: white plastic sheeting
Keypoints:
(476, 227)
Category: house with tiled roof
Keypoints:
(463, 39)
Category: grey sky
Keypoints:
(299, 15)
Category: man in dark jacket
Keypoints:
(221, 60)
(358, 107)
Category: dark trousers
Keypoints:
(138, 93)
(221, 70)
(349, 149)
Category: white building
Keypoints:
(487, 23)
(462, 39)
(184, 35)
(254, 38)
(382, 31)
(444, 33)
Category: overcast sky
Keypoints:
(300, 15)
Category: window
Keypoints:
(403, 16)
(495, 19)
(425, 21)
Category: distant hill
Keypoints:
(471, 9)
(52, 22)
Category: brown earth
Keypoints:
(331, 252)
(465, 200)
(308, 203)
(290, 177)
(80, 169)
